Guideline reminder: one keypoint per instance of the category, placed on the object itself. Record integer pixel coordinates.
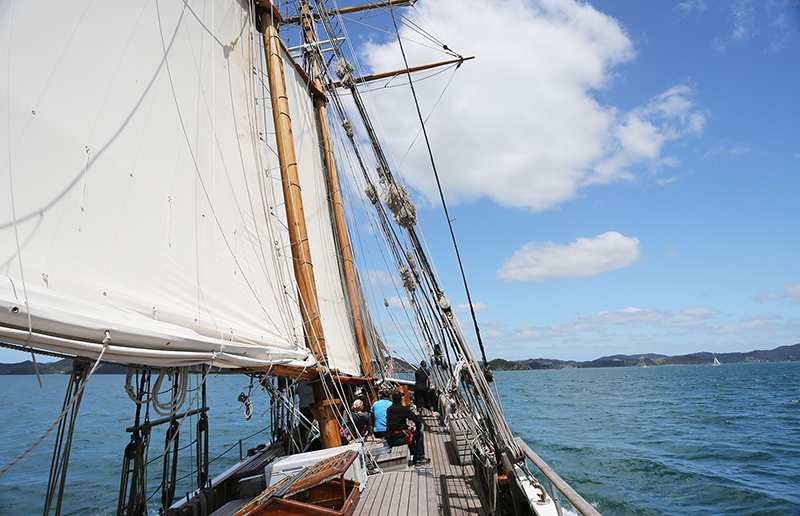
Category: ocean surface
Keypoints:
(681, 440)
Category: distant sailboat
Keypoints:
(716, 362)
(642, 363)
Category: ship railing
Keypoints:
(558, 483)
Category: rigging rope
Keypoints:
(76, 396)
(441, 192)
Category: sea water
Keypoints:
(681, 440)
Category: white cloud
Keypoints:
(464, 308)
(789, 291)
(693, 5)
(519, 124)
(639, 330)
(630, 316)
(379, 277)
(543, 261)
(770, 21)
(399, 303)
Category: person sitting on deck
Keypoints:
(379, 413)
(360, 424)
(399, 433)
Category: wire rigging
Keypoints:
(441, 195)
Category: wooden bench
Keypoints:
(389, 458)
(411, 492)
(461, 437)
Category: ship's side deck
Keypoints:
(444, 487)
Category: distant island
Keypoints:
(780, 354)
(64, 366)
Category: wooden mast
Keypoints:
(342, 234)
(301, 253)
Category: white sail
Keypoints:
(332, 301)
(134, 194)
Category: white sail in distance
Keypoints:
(141, 191)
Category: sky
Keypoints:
(622, 176)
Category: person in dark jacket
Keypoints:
(360, 425)
(422, 386)
(398, 432)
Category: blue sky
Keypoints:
(623, 176)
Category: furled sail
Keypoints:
(140, 195)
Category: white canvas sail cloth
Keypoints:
(334, 308)
(141, 201)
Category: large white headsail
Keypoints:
(333, 306)
(141, 202)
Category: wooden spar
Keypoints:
(351, 9)
(301, 253)
(342, 234)
(394, 73)
(312, 374)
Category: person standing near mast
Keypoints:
(422, 388)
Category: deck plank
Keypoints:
(455, 490)
(443, 488)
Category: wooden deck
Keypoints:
(410, 492)
(442, 488)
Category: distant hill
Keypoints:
(63, 366)
(780, 354)
(401, 366)
(548, 363)
(498, 364)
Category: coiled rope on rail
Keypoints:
(176, 402)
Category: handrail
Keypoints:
(577, 501)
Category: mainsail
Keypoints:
(142, 198)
